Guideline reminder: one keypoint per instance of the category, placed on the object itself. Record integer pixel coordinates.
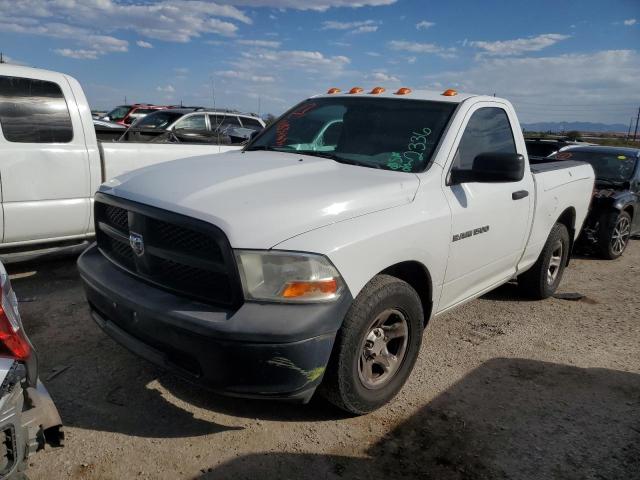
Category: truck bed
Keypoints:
(562, 188)
(553, 164)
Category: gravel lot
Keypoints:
(503, 388)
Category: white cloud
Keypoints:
(309, 61)
(318, 5)
(383, 77)
(519, 45)
(92, 45)
(143, 44)
(630, 21)
(363, 26)
(539, 87)
(415, 47)
(78, 54)
(166, 89)
(81, 21)
(412, 60)
(424, 25)
(373, 54)
(238, 75)
(260, 43)
(366, 29)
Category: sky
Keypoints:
(555, 60)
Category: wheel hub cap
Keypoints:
(554, 263)
(383, 349)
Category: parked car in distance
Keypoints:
(108, 131)
(614, 216)
(195, 125)
(538, 148)
(51, 162)
(128, 114)
(315, 257)
(28, 417)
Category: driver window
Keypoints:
(193, 122)
(488, 131)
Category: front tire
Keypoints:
(542, 279)
(615, 232)
(376, 347)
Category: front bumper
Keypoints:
(260, 350)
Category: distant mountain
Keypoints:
(579, 126)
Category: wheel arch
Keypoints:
(417, 275)
(568, 219)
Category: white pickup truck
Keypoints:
(51, 163)
(316, 256)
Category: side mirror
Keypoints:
(491, 168)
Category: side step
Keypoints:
(43, 252)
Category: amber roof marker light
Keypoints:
(378, 90)
(355, 90)
(449, 93)
(403, 91)
(333, 90)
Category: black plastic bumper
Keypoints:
(259, 350)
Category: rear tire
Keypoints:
(376, 347)
(542, 279)
(615, 231)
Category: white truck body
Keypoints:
(263, 200)
(48, 187)
(320, 251)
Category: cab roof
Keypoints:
(428, 95)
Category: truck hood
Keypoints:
(260, 199)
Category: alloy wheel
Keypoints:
(620, 237)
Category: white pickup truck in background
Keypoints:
(316, 256)
(51, 163)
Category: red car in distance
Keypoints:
(127, 114)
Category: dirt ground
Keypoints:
(503, 388)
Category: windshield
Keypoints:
(118, 113)
(158, 119)
(609, 166)
(371, 132)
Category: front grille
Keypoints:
(181, 254)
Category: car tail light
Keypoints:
(13, 342)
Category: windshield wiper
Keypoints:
(337, 158)
(269, 148)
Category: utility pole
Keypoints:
(2, 58)
(635, 132)
(629, 131)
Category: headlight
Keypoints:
(287, 276)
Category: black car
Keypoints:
(614, 215)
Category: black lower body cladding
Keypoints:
(259, 350)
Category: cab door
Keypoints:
(490, 221)
(44, 166)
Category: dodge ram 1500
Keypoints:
(314, 258)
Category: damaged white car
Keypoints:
(28, 417)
